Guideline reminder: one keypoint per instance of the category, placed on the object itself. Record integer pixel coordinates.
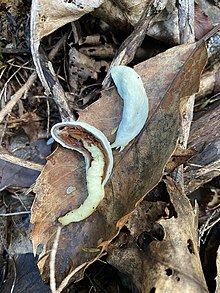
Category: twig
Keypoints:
(48, 118)
(4, 127)
(15, 276)
(13, 75)
(15, 214)
(211, 33)
(17, 96)
(65, 282)
(45, 69)
(206, 226)
(186, 21)
(52, 261)
(186, 35)
(23, 163)
(57, 47)
(15, 51)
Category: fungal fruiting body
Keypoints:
(135, 111)
(99, 162)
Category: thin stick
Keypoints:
(207, 224)
(17, 96)
(52, 261)
(15, 214)
(186, 21)
(15, 276)
(186, 35)
(13, 75)
(23, 163)
(57, 47)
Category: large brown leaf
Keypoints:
(137, 169)
(173, 261)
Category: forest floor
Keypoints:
(157, 227)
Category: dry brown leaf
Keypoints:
(31, 123)
(167, 77)
(81, 67)
(173, 262)
(205, 138)
(179, 157)
(210, 10)
(13, 175)
(202, 23)
(48, 16)
(217, 82)
(26, 278)
(100, 51)
(210, 82)
(125, 13)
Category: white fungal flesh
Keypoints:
(95, 189)
(135, 111)
(94, 171)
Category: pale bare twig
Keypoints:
(15, 214)
(186, 21)
(15, 276)
(23, 163)
(13, 75)
(17, 96)
(3, 130)
(65, 282)
(57, 47)
(186, 35)
(8, 108)
(48, 118)
(52, 261)
(207, 225)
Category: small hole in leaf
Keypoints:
(5, 254)
(172, 211)
(158, 232)
(144, 240)
(155, 234)
(190, 246)
(178, 279)
(152, 290)
(169, 272)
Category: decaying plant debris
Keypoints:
(157, 227)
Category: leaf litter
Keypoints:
(62, 187)
(143, 162)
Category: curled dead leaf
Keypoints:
(45, 20)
